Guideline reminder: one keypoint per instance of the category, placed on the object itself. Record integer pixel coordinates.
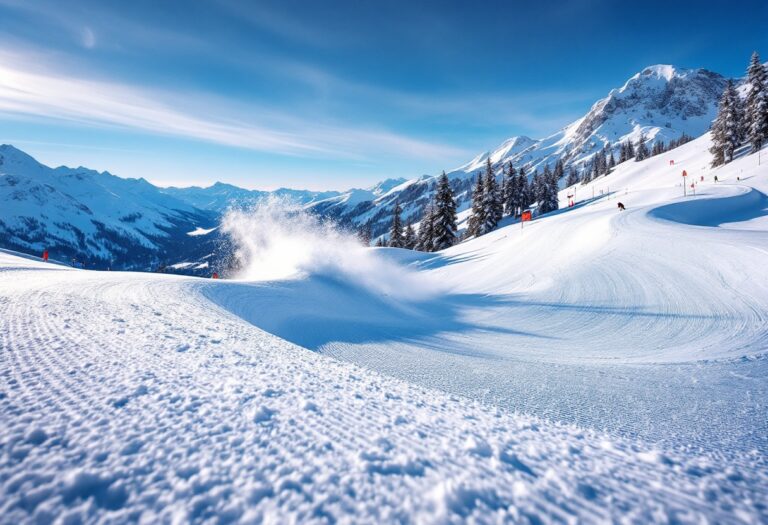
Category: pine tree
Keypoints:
(477, 213)
(534, 189)
(623, 153)
(492, 203)
(380, 243)
(604, 162)
(543, 198)
(364, 234)
(409, 237)
(757, 104)
(611, 162)
(727, 127)
(641, 152)
(554, 189)
(630, 149)
(426, 229)
(559, 171)
(523, 191)
(396, 230)
(601, 167)
(549, 189)
(658, 148)
(573, 178)
(444, 228)
(510, 190)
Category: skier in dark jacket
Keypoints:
(621, 207)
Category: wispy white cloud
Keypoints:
(88, 38)
(49, 95)
(316, 89)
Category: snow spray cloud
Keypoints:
(276, 239)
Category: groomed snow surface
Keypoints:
(599, 366)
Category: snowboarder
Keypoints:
(45, 255)
(215, 275)
(621, 206)
(715, 179)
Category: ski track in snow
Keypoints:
(132, 397)
(163, 399)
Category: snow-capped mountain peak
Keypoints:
(13, 159)
(385, 186)
(661, 103)
(511, 146)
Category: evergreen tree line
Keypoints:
(739, 122)
(490, 202)
(437, 229)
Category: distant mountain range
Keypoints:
(113, 222)
(221, 195)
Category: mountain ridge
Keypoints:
(660, 103)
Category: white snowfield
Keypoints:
(128, 397)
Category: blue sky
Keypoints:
(329, 95)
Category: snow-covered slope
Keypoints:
(586, 315)
(96, 218)
(132, 397)
(661, 103)
(153, 398)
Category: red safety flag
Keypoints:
(526, 216)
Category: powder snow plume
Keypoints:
(277, 239)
